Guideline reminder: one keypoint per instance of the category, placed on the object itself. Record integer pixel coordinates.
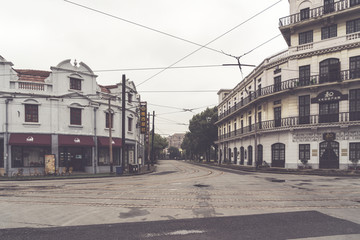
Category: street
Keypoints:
(192, 202)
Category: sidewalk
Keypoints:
(319, 172)
(79, 175)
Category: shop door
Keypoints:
(329, 155)
(259, 154)
(242, 156)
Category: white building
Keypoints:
(303, 104)
(66, 113)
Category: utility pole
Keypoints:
(152, 140)
(148, 141)
(123, 122)
(110, 138)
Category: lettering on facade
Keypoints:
(328, 96)
(76, 140)
(143, 117)
(30, 139)
(317, 137)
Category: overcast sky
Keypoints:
(38, 34)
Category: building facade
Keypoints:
(300, 107)
(65, 113)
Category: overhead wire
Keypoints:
(201, 46)
(204, 46)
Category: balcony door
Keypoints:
(329, 70)
(304, 75)
(329, 6)
(355, 67)
(354, 104)
(304, 109)
(329, 112)
(277, 116)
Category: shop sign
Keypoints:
(49, 164)
(30, 139)
(143, 117)
(328, 96)
(329, 137)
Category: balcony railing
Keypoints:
(315, 12)
(292, 84)
(31, 86)
(295, 122)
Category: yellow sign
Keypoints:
(49, 164)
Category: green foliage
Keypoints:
(174, 153)
(203, 133)
(160, 143)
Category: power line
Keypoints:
(179, 91)
(142, 26)
(204, 46)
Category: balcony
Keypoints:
(316, 12)
(292, 84)
(31, 86)
(344, 118)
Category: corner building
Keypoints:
(303, 104)
(65, 112)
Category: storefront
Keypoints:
(29, 150)
(103, 151)
(75, 151)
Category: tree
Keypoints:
(202, 135)
(160, 143)
(174, 153)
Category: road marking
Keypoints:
(175, 233)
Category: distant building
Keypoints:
(176, 140)
(66, 113)
(301, 106)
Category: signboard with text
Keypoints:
(143, 117)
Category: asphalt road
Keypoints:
(183, 201)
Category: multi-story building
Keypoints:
(64, 112)
(176, 140)
(302, 105)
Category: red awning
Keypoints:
(76, 140)
(30, 139)
(104, 142)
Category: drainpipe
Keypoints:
(96, 143)
(7, 135)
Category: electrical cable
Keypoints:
(193, 52)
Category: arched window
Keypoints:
(278, 155)
(242, 155)
(250, 155)
(329, 70)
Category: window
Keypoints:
(329, 112)
(304, 109)
(278, 155)
(304, 152)
(31, 113)
(277, 102)
(130, 96)
(277, 83)
(250, 127)
(304, 75)
(250, 155)
(354, 104)
(277, 116)
(75, 116)
(75, 84)
(28, 156)
(355, 67)
(306, 37)
(329, 6)
(107, 120)
(354, 151)
(130, 124)
(304, 13)
(353, 26)
(259, 120)
(329, 32)
(354, 2)
(242, 126)
(330, 70)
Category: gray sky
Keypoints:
(38, 34)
